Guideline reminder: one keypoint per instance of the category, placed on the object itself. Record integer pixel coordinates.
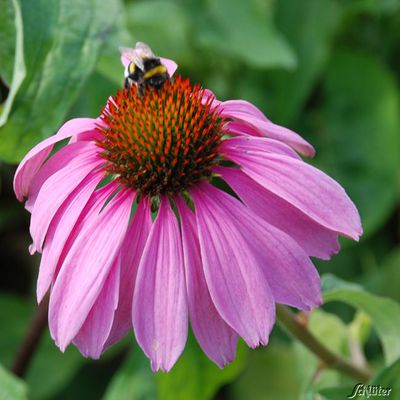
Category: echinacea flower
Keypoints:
(172, 207)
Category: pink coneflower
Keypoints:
(174, 206)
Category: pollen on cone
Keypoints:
(164, 141)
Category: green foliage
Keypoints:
(168, 31)
(49, 363)
(257, 43)
(11, 48)
(389, 378)
(310, 26)
(62, 40)
(358, 136)
(328, 69)
(195, 376)
(331, 330)
(271, 373)
(11, 388)
(386, 280)
(385, 313)
(134, 380)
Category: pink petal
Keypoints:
(171, 65)
(313, 238)
(291, 276)
(240, 110)
(243, 106)
(95, 330)
(215, 337)
(60, 230)
(159, 305)
(131, 253)
(242, 129)
(255, 145)
(58, 161)
(305, 187)
(31, 163)
(58, 187)
(232, 269)
(88, 263)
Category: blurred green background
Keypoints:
(328, 69)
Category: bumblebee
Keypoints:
(144, 68)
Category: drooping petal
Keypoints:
(58, 161)
(159, 312)
(130, 255)
(92, 134)
(305, 187)
(315, 239)
(60, 230)
(32, 162)
(259, 247)
(242, 129)
(240, 110)
(255, 145)
(87, 263)
(58, 187)
(232, 269)
(243, 106)
(216, 338)
(95, 330)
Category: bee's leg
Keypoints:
(128, 83)
(140, 90)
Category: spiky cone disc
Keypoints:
(164, 141)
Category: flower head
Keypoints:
(174, 206)
(163, 142)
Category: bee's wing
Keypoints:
(143, 50)
(132, 55)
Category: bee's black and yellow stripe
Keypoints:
(153, 74)
(131, 68)
(159, 69)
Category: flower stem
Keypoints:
(291, 323)
(31, 340)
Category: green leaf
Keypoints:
(8, 34)
(360, 327)
(384, 312)
(337, 393)
(48, 364)
(389, 378)
(256, 43)
(329, 329)
(195, 377)
(11, 48)
(94, 96)
(62, 41)
(134, 380)
(11, 388)
(270, 374)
